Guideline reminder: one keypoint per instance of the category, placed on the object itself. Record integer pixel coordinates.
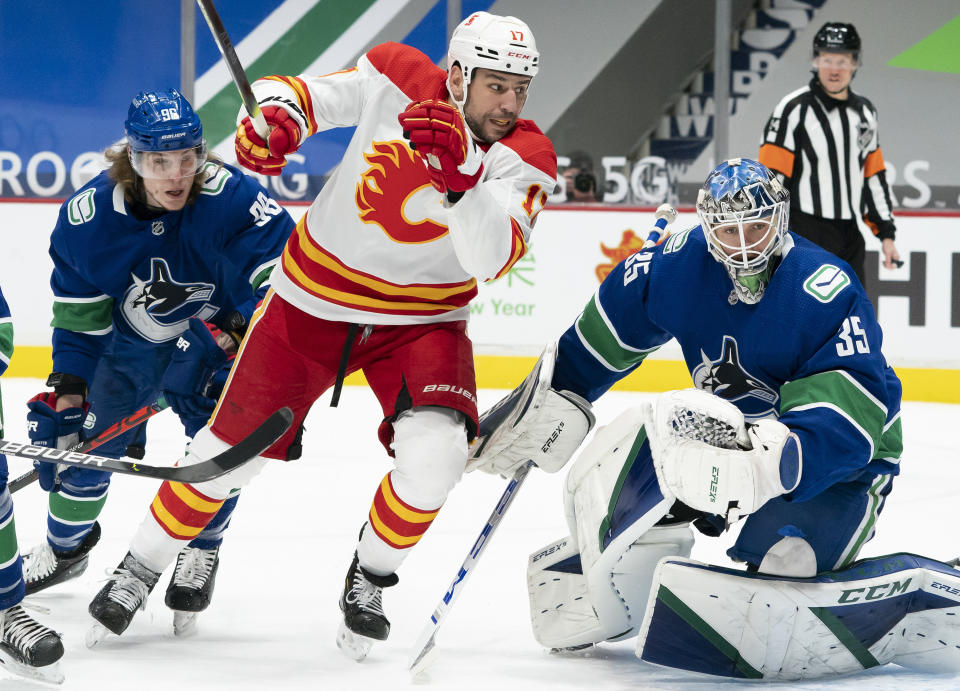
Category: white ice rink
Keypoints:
(274, 617)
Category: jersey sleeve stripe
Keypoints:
(777, 158)
(874, 163)
(299, 88)
(518, 248)
(6, 339)
(261, 275)
(84, 315)
(838, 391)
(599, 337)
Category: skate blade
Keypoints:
(50, 674)
(184, 623)
(95, 635)
(355, 647)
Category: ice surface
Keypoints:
(274, 616)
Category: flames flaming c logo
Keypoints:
(389, 194)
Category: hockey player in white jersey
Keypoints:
(794, 427)
(439, 188)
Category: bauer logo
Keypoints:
(177, 135)
(444, 388)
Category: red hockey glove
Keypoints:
(437, 132)
(267, 157)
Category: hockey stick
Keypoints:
(222, 39)
(665, 214)
(422, 657)
(112, 432)
(252, 445)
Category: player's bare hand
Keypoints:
(891, 258)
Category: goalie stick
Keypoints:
(665, 214)
(223, 42)
(112, 432)
(252, 445)
(422, 653)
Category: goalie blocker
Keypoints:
(532, 423)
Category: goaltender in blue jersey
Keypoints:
(793, 428)
(159, 263)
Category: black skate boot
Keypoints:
(29, 648)
(43, 566)
(191, 587)
(363, 619)
(126, 591)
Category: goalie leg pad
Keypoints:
(571, 609)
(560, 609)
(900, 608)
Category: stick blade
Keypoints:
(255, 443)
(424, 655)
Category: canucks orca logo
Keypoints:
(158, 307)
(727, 378)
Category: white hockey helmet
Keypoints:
(504, 44)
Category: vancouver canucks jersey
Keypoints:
(6, 345)
(115, 274)
(808, 352)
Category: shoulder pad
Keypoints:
(215, 178)
(82, 207)
(533, 146)
(826, 282)
(410, 70)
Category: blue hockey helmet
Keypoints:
(743, 210)
(163, 121)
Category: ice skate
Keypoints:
(363, 619)
(43, 567)
(191, 587)
(28, 648)
(126, 591)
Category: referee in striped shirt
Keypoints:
(822, 140)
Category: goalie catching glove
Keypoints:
(267, 157)
(709, 459)
(532, 423)
(438, 134)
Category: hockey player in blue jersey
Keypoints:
(159, 263)
(26, 647)
(794, 426)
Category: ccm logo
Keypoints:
(429, 388)
(522, 56)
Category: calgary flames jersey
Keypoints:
(378, 246)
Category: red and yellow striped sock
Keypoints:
(396, 522)
(182, 511)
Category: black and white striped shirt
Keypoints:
(828, 152)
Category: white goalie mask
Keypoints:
(504, 44)
(743, 212)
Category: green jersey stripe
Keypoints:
(92, 317)
(839, 392)
(6, 340)
(600, 338)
